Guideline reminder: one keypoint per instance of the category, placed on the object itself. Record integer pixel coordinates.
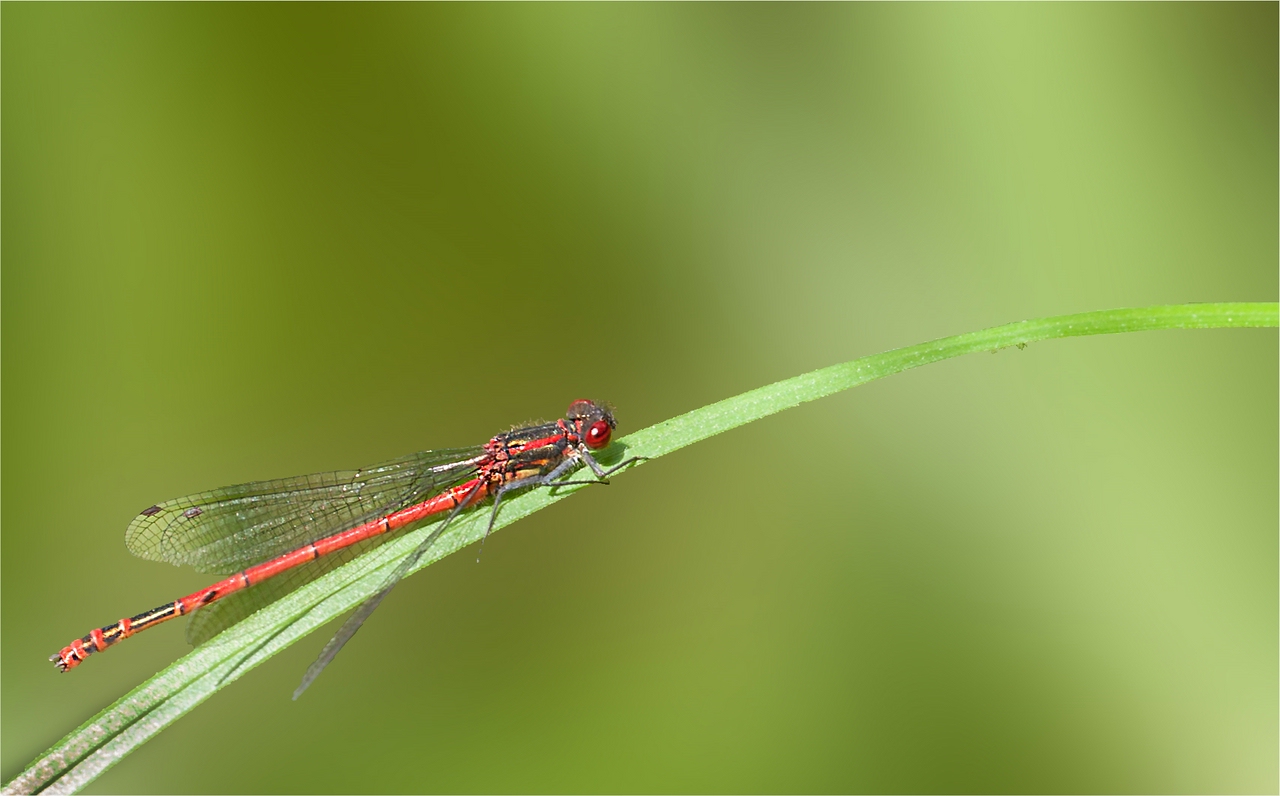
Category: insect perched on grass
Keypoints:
(277, 535)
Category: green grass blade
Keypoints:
(105, 739)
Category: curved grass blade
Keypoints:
(107, 738)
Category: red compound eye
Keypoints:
(598, 435)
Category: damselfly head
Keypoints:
(594, 422)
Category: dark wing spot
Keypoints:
(196, 512)
(151, 511)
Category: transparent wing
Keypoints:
(366, 608)
(226, 530)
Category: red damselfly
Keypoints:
(277, 535)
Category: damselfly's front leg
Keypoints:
(601, 474)
(550, 479)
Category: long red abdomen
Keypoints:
(72, 655)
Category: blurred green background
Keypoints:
(247, 241)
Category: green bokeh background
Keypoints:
(246, 241)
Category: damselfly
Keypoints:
(277, 535)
